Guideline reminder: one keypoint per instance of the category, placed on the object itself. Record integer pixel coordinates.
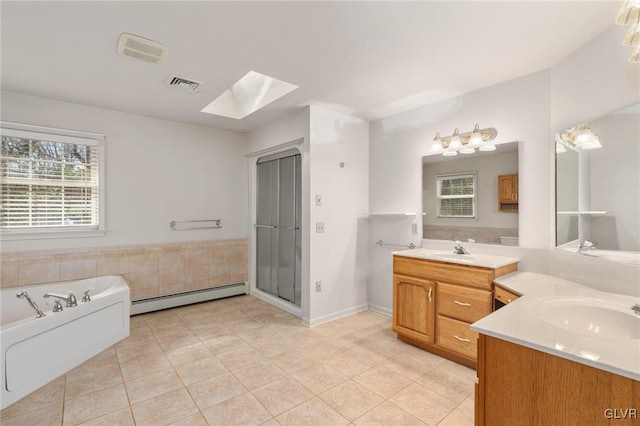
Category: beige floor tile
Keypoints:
(352, 362)
(144, 365)
(272, 346)
(176, 341)
(312, 413)
(258, 374)
(188, 354)
(129, 353)
(294, 361)
(195, 371)
(222, 344)
(448, 383)
(387, 414)
(137, 336)
(193, 420)
(240, 357)
(412, 366)
(103, 359)
(153, 385)
(50, 394)
(165, 408)
(47, 415)
(95, 404)
(319, 378)
(211, 331)
(91, 380)
(461, 416)
(282, 395)
(383, 381)
(470, 402)
(351, 399)
(240, 410)
(120, 418)
(242, 324)
(214, 390)
(425, 404)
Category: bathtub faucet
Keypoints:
(25, 295)
(70, 299)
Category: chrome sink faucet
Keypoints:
(25, 295)
(70, 299)
(458, 249)
(586, 245)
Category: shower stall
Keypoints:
(278, 219)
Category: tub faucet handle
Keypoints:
(69, 299)
(86, 297)
(57, 306)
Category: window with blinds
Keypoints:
(49, 181)
(456, 195)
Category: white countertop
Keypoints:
(479, 260)
(524, 322)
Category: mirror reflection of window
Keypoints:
(458, 207)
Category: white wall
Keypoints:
(156, 171)
(339, 255)
(518, 109)
(488, 168)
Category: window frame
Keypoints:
(65, 136)
(474, 197)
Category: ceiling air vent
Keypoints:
(182, 83)
(140, 48)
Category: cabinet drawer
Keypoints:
(463, 303)
(505, 296)
(456, 336)
(458, 274)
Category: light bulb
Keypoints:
(450, 153)
(633, 36)
(436, 145)
(487, 147)
(475, 140)
(467, 150)
(635, 57)
(455, 143)
(593, 144)
(629, 13)
(582, 136)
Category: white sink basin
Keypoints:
(457, 258)
(591, 317)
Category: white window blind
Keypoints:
(456, 195)
(49, 181)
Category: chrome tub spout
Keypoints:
(25, 295)
(70, 299)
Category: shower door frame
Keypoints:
(253, 158)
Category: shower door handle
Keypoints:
(265, 226)
(293, 228)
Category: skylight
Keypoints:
(247, 95)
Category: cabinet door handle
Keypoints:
(461, 303)
(430, 291)
(462, 339)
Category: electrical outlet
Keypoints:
(318, 200)
(319, 227)
(414, 228)
(318, 286)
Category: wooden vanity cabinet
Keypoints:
(508, 193)
(520, 385)
(503, 295)
(434, 304)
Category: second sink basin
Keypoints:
(591, 317)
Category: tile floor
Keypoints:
(240, 361)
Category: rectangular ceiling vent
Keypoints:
(140, 48)
(182, 83)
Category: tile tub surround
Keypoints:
(150, 270)
(242, 361)
(462, 233)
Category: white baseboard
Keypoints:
(335, 315)
(381, 310)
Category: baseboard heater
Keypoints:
(187, 298)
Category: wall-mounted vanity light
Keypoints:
(630, 15)
(464, 143)
(580, 136)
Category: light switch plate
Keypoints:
(318, 200)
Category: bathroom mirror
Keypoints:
(598, 184)
(461, 196)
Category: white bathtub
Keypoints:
(37, 350)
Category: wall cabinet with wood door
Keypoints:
(434, 303)
(508, 193)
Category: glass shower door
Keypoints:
(278, 238)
